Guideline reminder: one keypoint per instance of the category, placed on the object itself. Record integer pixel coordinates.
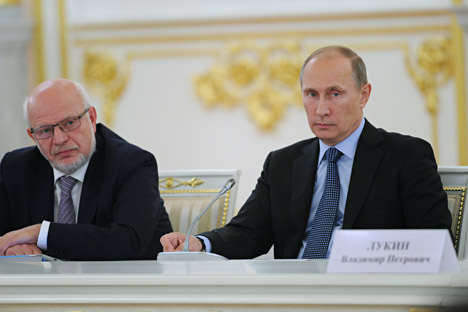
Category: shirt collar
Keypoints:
(347, 146)
(79, 174)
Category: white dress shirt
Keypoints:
(345, 165)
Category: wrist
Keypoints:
(202, 242)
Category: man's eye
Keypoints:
(335, 94)
(312, 94)
(45, 130)
(70, 123)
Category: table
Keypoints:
(236, 285)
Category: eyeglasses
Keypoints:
(65, 125)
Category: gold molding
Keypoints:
(299, 34)
(259, 20)
(201, 191)
(171, 183)
(460, 211)
(225, 209)
(458, 36)
(136, 54)
(63, 37)
(10, 2)
(38, 41)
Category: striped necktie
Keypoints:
(66, 211)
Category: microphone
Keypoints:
(227, 186)
(185, 254)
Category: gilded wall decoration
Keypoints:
(10, 2)
(432, 68)
(263, 78)
(105, 78)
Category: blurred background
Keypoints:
(214, 84)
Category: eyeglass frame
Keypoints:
(78, 118)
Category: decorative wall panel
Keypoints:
(216, 86)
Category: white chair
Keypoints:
(187, 192)
(455, 182)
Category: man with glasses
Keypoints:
(90, 195)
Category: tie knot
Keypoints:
(68, 183)
(333, 154)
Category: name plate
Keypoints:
(393, 251)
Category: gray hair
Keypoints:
(357, 64)
(79, 88)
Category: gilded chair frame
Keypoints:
(455, 183)
(200, 183)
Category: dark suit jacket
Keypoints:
(121, 215)
(394, 185)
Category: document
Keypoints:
(27, 258)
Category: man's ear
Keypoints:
(365, 94)
(30, 134)
(93, 117)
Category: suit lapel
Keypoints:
(303, 180)
(366, 162)
(41, 193)
(92, 184)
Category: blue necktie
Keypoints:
(66, 211)
(322, 225)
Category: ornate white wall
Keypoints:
(15, 35)
(198, 84)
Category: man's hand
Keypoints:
(23, 249)
(27, 235)
(175, 242)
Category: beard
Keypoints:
(70, 168)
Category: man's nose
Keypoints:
(59, 136)
(322, 107)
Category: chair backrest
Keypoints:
(455, 182)
(187, 192)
